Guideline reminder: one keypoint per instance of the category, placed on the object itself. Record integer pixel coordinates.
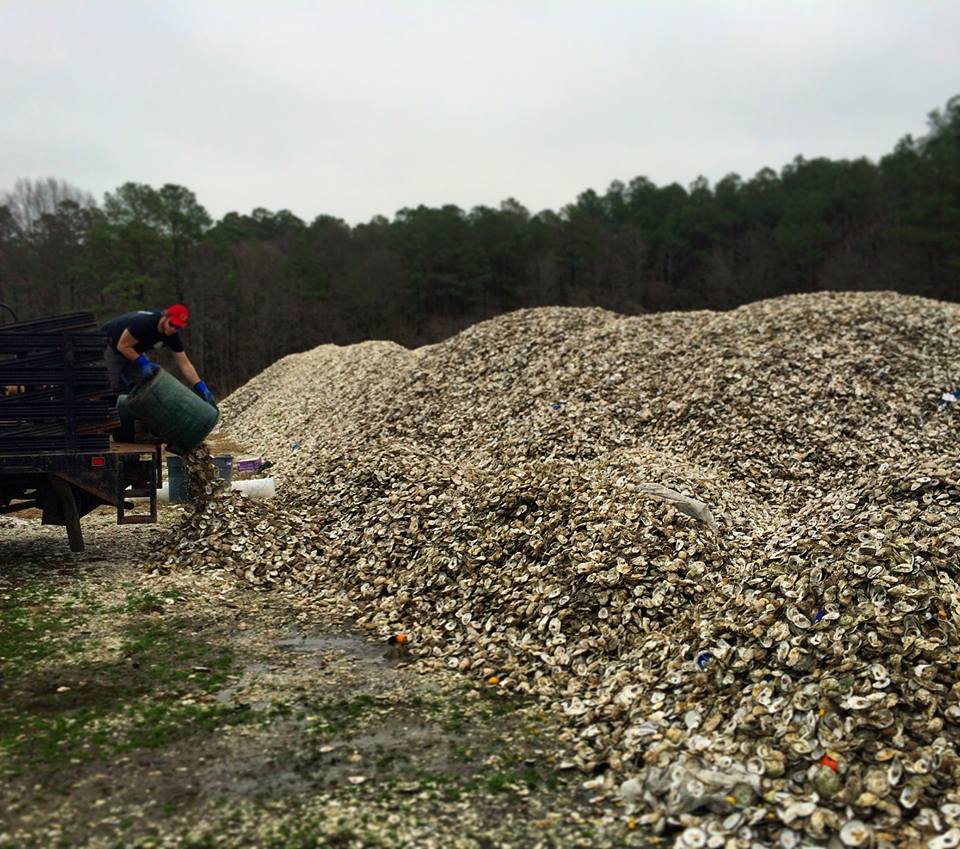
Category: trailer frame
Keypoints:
(67, 485)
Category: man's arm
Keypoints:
(186, 368)
(125, 348)
(190, 373)
(125, 345)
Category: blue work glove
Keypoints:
(204, 392)
(146, 367)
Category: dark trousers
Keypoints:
(124, 374)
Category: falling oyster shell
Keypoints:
(818, 823)
(910, 796)
(795, 811)
(877, 782)
(947, 840)
(788, 838)
(855, 833)
(693, 837)
(631, 790)
(733, 821)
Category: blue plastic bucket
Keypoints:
(224, 464)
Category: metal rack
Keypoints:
(56, 417)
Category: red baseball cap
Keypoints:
(178, 314)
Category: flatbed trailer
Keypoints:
(67, 485)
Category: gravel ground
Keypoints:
(143, 707)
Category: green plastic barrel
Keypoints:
(126, 432)
(172, 411)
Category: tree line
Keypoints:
(267, 284)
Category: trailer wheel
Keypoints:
(71, 516)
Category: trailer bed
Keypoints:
(66, 485)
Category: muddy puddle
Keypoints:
(354, 646)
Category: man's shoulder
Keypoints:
(143, 317)
(174, 343)
(135, 315)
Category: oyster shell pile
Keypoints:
(724, 545)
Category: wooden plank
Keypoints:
(134, 447)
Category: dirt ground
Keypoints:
(143, 707)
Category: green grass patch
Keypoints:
(507, 781)
(139, 600)
(57, 708)
(163, 653)
(30, 628)
(338, 715)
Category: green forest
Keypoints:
(266, 284)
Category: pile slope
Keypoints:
(790, 647)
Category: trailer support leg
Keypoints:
(71, 516)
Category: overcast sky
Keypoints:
(355, 108)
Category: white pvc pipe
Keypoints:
(256, 488)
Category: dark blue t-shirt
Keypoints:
(143, 327)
